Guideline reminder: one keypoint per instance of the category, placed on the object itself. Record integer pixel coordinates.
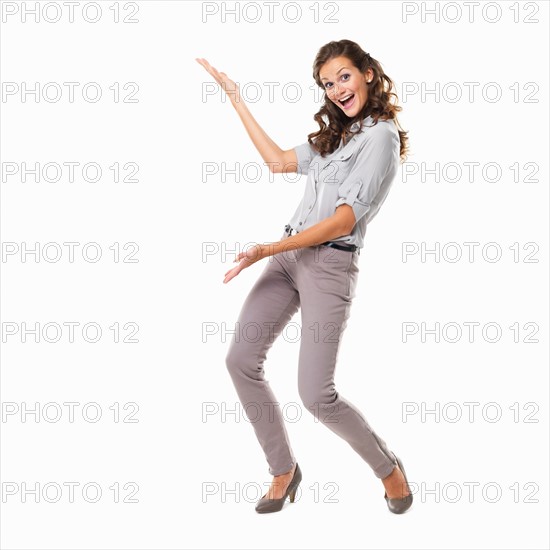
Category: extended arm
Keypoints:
(339, 224)
(277, 159)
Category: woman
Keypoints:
(350, 163)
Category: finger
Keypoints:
(212, 70)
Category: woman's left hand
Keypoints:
(246, 259)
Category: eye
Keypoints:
(345, 77)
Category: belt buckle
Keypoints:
(289, 230)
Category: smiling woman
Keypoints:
(350, 85)
(356, 86)
(350, 164)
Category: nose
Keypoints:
(335, 91)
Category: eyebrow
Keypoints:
(341, 69)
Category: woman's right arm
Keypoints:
(277, 159)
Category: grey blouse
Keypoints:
(359, 173)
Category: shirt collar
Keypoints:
(356, 125)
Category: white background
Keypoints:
(172, 453)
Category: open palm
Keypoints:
(228, 86)
(245, 259)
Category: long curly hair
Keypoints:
(379, 102)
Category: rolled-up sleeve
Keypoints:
(373, 172)
(304, 153)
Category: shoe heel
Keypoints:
(275, 505)
(292, 494)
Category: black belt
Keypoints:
(347, 248)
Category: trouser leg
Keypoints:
(327, 286)
(269, 306)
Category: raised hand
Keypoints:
(228, 86)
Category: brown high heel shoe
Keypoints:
(265, 505)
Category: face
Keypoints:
(342, 80)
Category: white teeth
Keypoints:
(345, 98)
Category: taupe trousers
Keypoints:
(321, 281)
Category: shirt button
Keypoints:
(300, 223)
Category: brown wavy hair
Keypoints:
(379, 103)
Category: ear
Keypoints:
(369, 75)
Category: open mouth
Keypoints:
(347, 101)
